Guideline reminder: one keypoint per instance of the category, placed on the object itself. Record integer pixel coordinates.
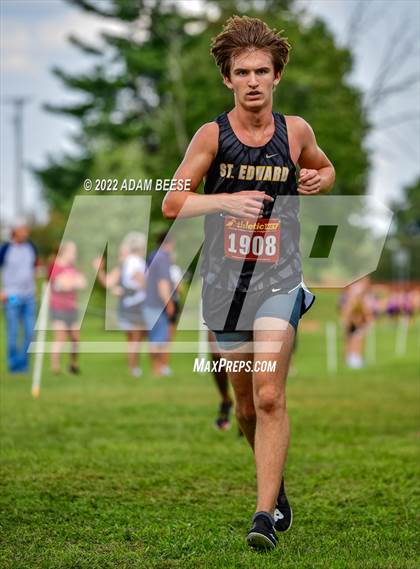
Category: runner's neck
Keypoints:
(252, 125)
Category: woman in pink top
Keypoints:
(65, 281)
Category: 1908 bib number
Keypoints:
(252, 241)
(256, 244)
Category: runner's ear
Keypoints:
(227, 82)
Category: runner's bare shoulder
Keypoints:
(206, 138)
(297, 124)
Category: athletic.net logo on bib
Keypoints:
(252, 240)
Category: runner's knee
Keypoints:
(269, 400)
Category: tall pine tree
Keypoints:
(152, 86)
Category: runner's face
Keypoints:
(252, 79)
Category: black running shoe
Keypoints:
(283, 515)
(223, 420)
(262, 535)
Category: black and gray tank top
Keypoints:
(247, 256)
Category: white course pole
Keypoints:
(202, 334)
(401, 337)
(331, 338)
(39, 354)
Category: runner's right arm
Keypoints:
(197, 161)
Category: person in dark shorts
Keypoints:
(253, 291)
(65, 280)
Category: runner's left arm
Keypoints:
(317, 173)
(197, 161)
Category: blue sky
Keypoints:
(33, 40)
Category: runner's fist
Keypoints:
(309, 182)
(247, 204)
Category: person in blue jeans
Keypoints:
(159, 306)
(17, 263)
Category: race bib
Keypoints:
(257, 240)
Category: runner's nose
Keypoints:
(253, 81)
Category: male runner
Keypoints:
(253, 293)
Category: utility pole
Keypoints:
(18, 104)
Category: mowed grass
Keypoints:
(108, 471)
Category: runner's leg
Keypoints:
(242, 387)
(273, 341)
(221, 380)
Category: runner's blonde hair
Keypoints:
(243, 33)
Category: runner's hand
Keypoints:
(309, 182)
(247, 204)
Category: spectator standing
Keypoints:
(65, 281)
(159, 307)
(127, 281)
(17, 262)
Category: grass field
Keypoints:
(107, 471)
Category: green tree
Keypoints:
(404, 236)
(154, 85)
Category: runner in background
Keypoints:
(221, 379)
(357, 314)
